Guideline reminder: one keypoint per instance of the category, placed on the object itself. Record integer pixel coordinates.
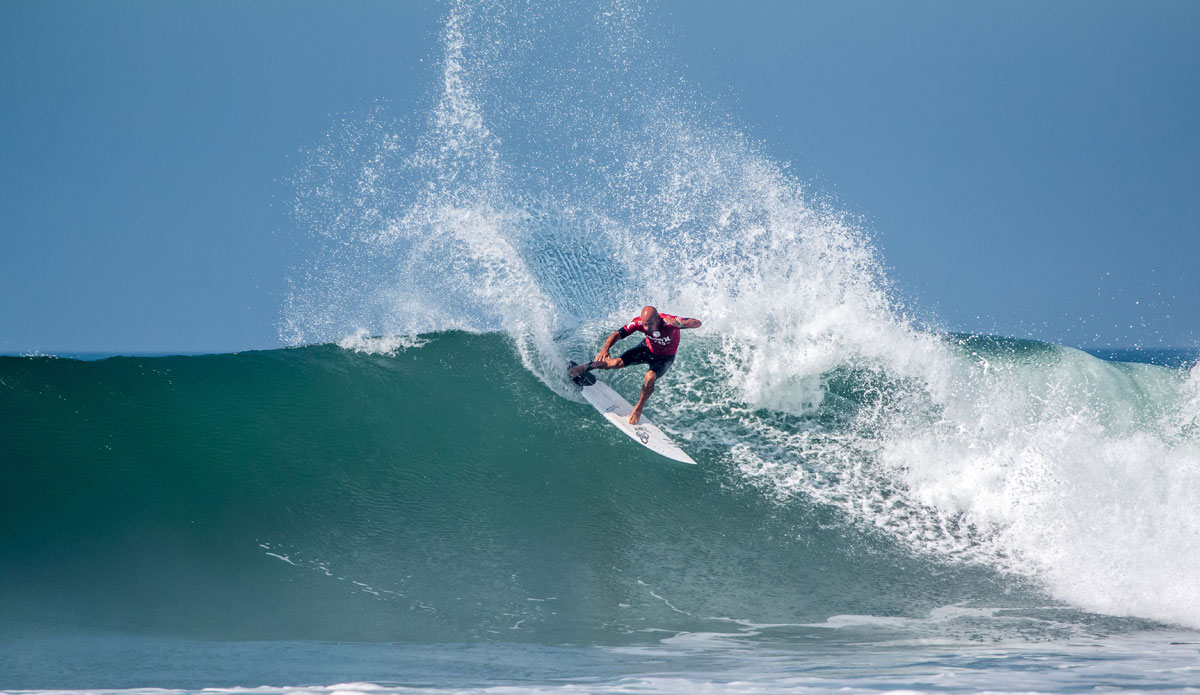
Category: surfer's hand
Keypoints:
(602, 356)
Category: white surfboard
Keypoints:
(616, 410)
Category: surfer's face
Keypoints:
(651, 319)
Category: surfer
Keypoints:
(657, 351)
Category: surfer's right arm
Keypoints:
(621, 333)
(612, 340)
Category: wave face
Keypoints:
(442, 493)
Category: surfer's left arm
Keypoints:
(687, 323)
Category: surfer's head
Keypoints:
(651, 319)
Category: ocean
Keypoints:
(410, 496)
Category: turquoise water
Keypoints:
(439, 494)
(437, 518)
(1157, 661)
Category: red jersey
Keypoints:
(662, 342)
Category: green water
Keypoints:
(440, 494)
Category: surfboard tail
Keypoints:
(585, 379)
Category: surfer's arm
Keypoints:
(612, 340)
(687, 323)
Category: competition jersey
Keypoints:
(663, 342)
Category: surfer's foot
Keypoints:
(634, 417)
(577, 370)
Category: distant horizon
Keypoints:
(1175, 357)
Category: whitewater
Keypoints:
(412, 497)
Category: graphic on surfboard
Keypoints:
(616, 410)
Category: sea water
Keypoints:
(303, 519)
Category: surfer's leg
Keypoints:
(647, 391)
(610, 363)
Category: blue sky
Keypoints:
(1027, 168)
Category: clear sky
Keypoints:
(1027, 168)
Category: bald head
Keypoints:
(650, 318)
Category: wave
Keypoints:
(442, 493)
(435, 477)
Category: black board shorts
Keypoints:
(659, 364)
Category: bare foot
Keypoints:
(577, 370)
(634, 417)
